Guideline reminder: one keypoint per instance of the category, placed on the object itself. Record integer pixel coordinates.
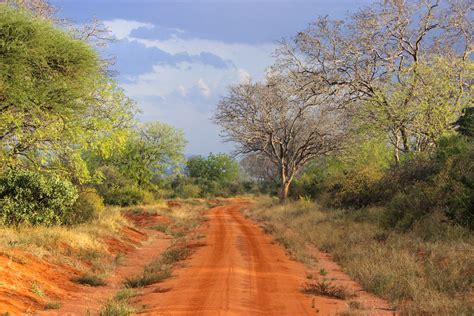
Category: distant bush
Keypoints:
(148, 197)
(88, 206)
(31, 197)
(116, 189)
(455, 184)
(189, 191)
(126, 196)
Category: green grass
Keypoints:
(89, 279)
(125, 294)
(427, 270)
(161, 228)
(114, 308)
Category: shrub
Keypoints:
(88, 206)
(455, 183)
(31, 197)
(189, 191)
(126, 196)
(148, 197)
(444, 184)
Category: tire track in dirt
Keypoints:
(239, 271)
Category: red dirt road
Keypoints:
(239, 271)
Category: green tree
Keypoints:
(55, 100)
(216, 167)
(465, 123)
(152, 149)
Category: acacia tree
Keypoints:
(55, 101)
(152, 148)
(282, 124)
(405, 64)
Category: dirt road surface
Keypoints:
(237, 271)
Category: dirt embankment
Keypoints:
(28, 284)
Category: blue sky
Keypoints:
(176, 58)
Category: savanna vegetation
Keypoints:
(363, 128)
(75, 161)
(70, 140)
(368, 122)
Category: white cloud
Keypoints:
(184, 94)
(182, 79)
(255, 57)
(204, 87)
(122, 28)
(182, 90)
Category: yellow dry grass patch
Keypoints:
(42, 241)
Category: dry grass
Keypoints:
(326, 288)
(63, 242)
(120, 305)
(90, 279)
(418, 275)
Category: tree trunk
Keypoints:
(285, 186)
(396, 148)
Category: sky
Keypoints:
(177, 58)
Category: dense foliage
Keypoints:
(215, 175)
(33, 198)
(67, 131)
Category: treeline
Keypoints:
(375, 109)
(70, 141)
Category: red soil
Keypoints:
(239, 271)
(371, 304)
(145, 219)
(21, 272)
(236, 270)
(89, 301)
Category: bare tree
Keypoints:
(39, 8)
(260, 168)
(389, 56)
(280, 123)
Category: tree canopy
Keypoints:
(54, 98)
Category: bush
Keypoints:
(455, 183)
(444, 184)
(189, 191)
(31, 197)
(126, 196)
(88, 206)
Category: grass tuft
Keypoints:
(147, 278)
(325, 288)
(52, 305)
(89, 279)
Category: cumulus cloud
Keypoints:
(182, 78)
(185, 76)
(248, 56)
(123, 28)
